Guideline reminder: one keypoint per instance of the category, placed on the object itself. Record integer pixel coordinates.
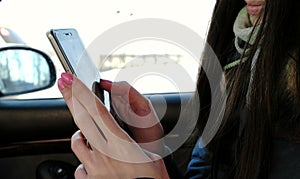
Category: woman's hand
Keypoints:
(100, 166)
(110, 152)
(137, 112)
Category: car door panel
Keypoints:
(34, 120)
(34, 131)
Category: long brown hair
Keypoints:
(278, 36)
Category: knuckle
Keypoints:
(124, 83)
(75, 141)
(80, 172)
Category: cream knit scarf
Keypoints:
(242, 29)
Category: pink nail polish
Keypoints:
(105, 81)
(67, 78)
(60, 83)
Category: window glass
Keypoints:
(152, 62)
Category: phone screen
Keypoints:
(74, 57)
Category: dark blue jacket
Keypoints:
(285, 162)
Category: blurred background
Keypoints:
(28, 21)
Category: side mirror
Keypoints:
(24, 69)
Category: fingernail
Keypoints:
(60, 83)
(105, 81)
(67, 78)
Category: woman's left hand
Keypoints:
(109, 152)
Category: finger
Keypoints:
(66, 88)
(86, 153)
(81, 116)
(106, 85)
(121, 107)
(97, 111)
(138, 103)
(63, 87)
(137, 124)
(101, 117)
(79, 147)
(124, 110)
(86, 123)
(80, 172)
(119, 142)
(159, 162)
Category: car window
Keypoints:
(152, 65)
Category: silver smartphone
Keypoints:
(72, 54)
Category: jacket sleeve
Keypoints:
(200, 164)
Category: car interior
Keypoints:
(35, 129)
(35, 133)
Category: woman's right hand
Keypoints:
(137, 112)
(105, 150)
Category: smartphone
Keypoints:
(72, 53)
